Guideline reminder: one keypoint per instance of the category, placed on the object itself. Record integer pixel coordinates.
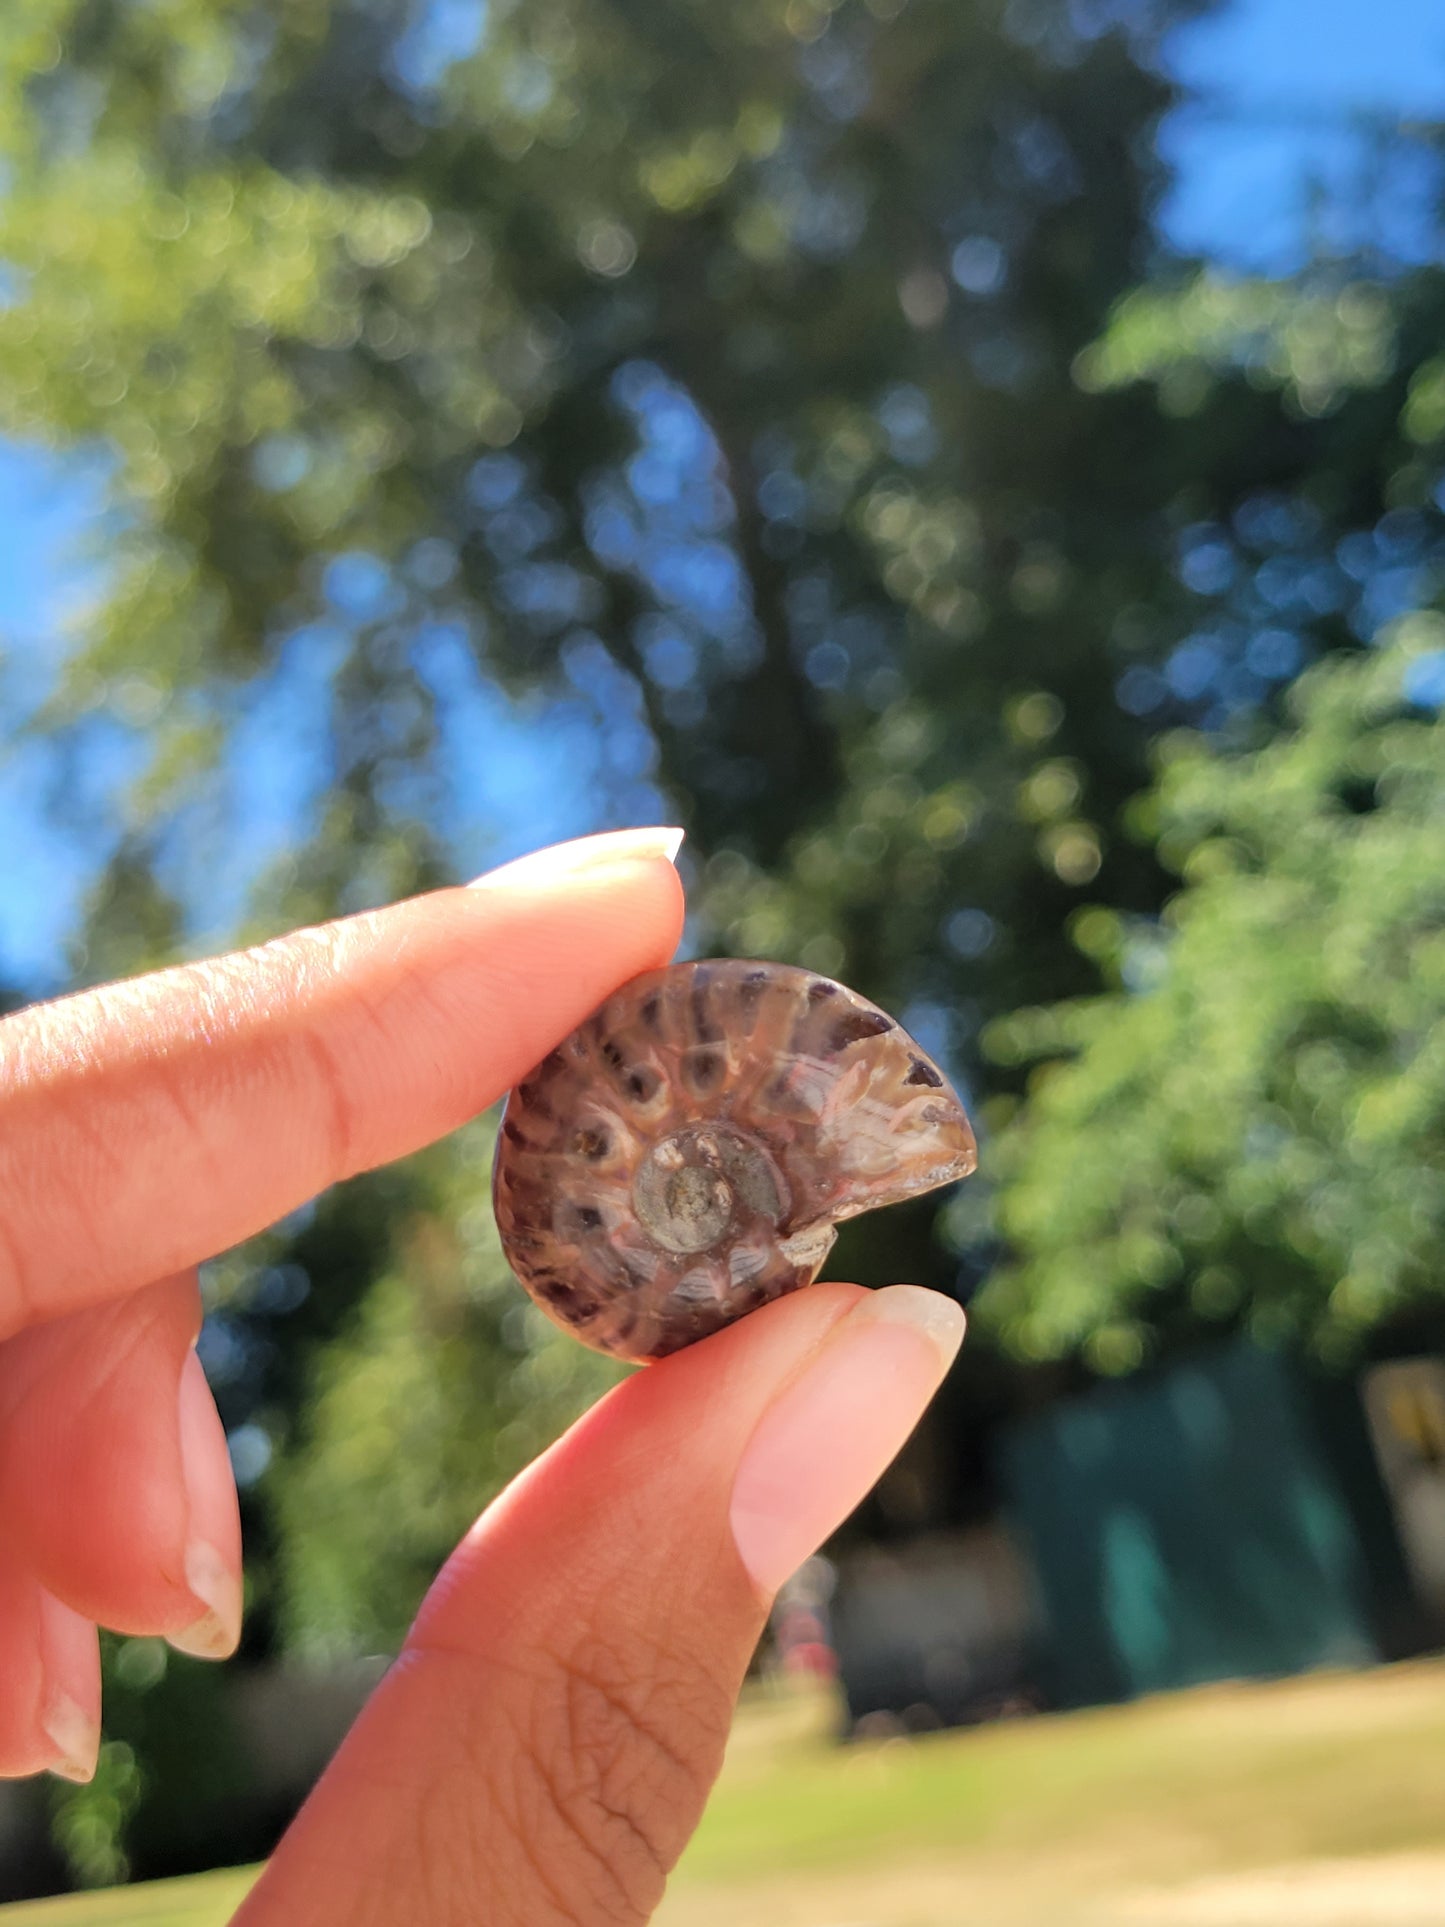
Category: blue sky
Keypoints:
(1283, 94)
(44, 504)
(1276, 84)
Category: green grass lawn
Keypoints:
(208, 1900)
(1121, 1814)
(1228, 1806)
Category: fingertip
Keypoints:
(933, 1316)
(91, 1486)
(291, 1066)
(834, 1428)
(70, 1694)
(586, 1642)
(49, 1681)
(609, 847)
(639, 895)
(213, 1524)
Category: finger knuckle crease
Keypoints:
(639, 1740)
(337, 1110)
(559, 1855)
(17, 1293)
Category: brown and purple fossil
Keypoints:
(684, 1156)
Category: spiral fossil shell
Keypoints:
(684, 1156)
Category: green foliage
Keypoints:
(1314, 343)
(299, 294)
(170, 1776)
(1254, 1130)
(89, 1822)
(443, 1385)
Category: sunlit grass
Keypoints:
(1127, 1814)
(207, 1900)
(1087, 1817)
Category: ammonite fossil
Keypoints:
(685, 1155)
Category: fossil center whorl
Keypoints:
(694, 1183)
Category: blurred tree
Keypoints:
(742, 380)
(1251, 1130)
(744, 405)
(446, 1382)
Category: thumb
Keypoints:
(542, 1749)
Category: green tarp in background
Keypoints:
(1221, 1519)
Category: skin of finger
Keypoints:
(149, 1124)
(543, 1748)
(70, 1662)
(44, 1648)
(213, 1514)
(93, 1498)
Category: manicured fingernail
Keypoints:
(830, 1434)
(587, 853)
(75, 1736)
(212, 1578)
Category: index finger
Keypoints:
(147, 1125)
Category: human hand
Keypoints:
(542, 1748)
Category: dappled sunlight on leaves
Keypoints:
(1260, 1130)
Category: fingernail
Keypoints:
(588, 853)
(213, 1579)
(824, 1442)
(75, 1736)
(217, 1633)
